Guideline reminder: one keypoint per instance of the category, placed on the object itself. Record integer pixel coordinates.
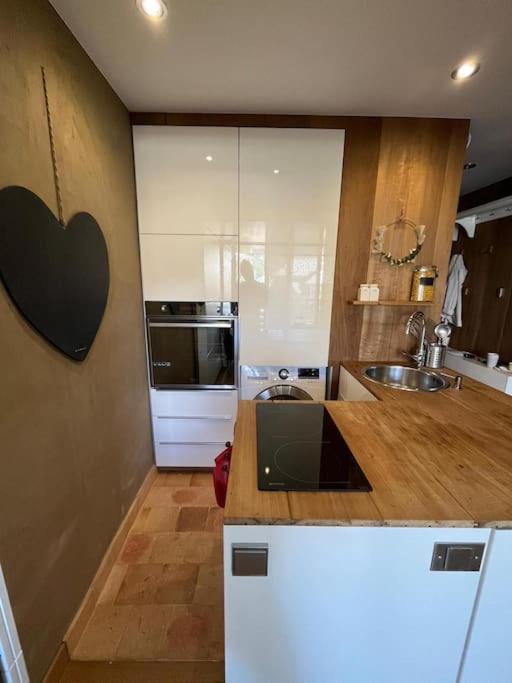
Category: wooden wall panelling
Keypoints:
(476, 256)
(505, 349)
(448, 210)
(420, 169)
(360, 166)
(485, 317)
(490, 328)
(247, 120)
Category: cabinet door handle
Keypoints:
(249, 559)
(457, 557)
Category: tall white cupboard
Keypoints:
(290, 184)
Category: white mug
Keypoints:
(492, 360)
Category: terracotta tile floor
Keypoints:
(163, 599)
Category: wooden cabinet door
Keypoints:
(489, 652)
(347, 605)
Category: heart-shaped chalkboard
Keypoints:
(57, 277)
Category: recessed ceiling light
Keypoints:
(276, 171)
(209, 158)
(155, 9)
(465, 70)
(469, 165)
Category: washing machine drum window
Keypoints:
(283, 392)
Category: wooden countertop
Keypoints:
(442, 459)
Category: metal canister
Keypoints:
(435, 356)
(423, 279)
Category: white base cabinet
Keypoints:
(347, 605)
(190, 428)
(352, 390)
(489, 653)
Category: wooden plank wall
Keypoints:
(419, 173)
(389, 164)
(487, 257)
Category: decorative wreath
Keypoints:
(378, 242)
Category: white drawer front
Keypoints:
(194, 403)
(192, 430)
(187, 455)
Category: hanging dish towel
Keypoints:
(452, 307)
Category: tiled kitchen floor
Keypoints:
(164, 597)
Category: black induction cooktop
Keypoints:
(301, 449)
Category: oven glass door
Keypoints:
(187, 354)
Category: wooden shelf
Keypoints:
(386, 302)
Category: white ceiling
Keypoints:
(353, 57)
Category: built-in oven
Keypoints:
(192, 345)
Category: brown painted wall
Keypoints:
(74, 438)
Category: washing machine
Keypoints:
(278, 383)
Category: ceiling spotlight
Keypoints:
(154, 9)
(469, 165)
(465, 70)
(209, 158)
(276, 171)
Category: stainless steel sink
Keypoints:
(405, 378)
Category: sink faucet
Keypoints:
(416, 327)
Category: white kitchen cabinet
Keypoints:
(194, 403)
(290, 182)
(190, 428)
(189, 267)
(187, 179)
(488, 654)
(347, 604)
(201, 429)
(200, 455)
(352, 390)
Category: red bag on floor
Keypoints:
(221, 474)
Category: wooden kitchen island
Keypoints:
(441, 459)
(349, 594)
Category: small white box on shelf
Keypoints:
(363, 293)
(374, 292)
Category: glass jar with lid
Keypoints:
(423, 278)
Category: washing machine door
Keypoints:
(283, 392)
